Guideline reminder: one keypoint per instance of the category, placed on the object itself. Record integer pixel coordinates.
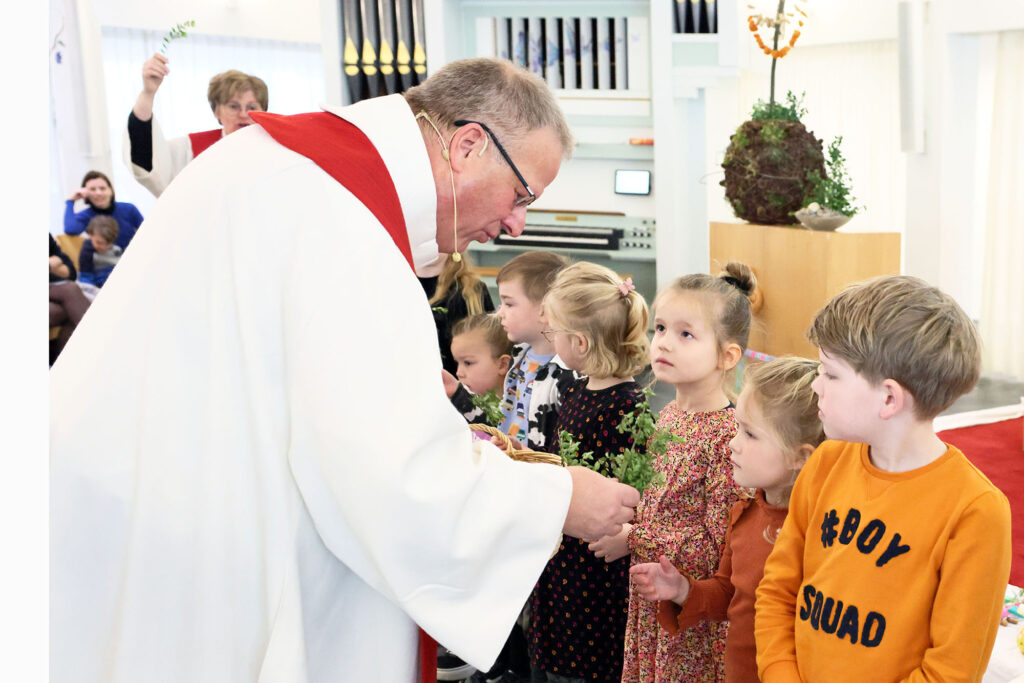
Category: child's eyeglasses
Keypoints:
(549, 334)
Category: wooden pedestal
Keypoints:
(798, 271)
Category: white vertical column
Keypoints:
(570, 46)
(535, 40)
(586, 53)
(502, 30)
(519, 51)
(604, 54)
(638, 48)
(552, 53)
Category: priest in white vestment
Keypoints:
(286, 491)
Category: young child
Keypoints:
(537, 377)
(99, 253)
(701, 326)
(482, 352)
(893, 561)
(534, 384)
(777, 429)
(598, 326)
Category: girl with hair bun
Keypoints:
(701, 327)
(598, 325)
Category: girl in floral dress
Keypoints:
(598, 325)
(701, 326)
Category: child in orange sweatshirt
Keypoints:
(893, 560)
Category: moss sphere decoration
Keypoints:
(766, 168)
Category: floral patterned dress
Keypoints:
(578, 607)
(685, 520)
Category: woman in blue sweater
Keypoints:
(98, 194)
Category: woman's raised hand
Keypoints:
(153, 71)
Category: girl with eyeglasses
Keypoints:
(597, 324)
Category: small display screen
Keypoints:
(632, 182)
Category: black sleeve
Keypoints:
(486, 298)
(55, 250)
(140, 135)
(463, 402)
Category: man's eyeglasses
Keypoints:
(520, 201)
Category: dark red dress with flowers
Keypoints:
(579, 606)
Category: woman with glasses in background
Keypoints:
(153, 160)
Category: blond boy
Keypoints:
(894, 558)
(537, 377)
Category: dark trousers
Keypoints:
(67, 306)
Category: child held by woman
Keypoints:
(777, 430)
(701, 327)
(597, 325)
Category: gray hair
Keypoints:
(510, 100)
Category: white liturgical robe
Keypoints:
(256, 475)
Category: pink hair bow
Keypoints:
(626, 287)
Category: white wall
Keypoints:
(294, 20)
(941, 189)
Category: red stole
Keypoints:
(200, 141)
(348, 156)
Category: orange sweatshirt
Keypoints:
(883, 576)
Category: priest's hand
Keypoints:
(599, 506)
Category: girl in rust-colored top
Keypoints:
(778, 429)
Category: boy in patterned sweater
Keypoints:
(893, 561)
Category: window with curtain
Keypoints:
(1002, 305)
(293, 72)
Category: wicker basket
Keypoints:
(520, 454)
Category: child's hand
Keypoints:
(450, 383)
(660, 581)
(501, 444)
(614, 547)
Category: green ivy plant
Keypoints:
(833, 192)
(490, 404)
(793, 110)
(635, 465)
(177, 31)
